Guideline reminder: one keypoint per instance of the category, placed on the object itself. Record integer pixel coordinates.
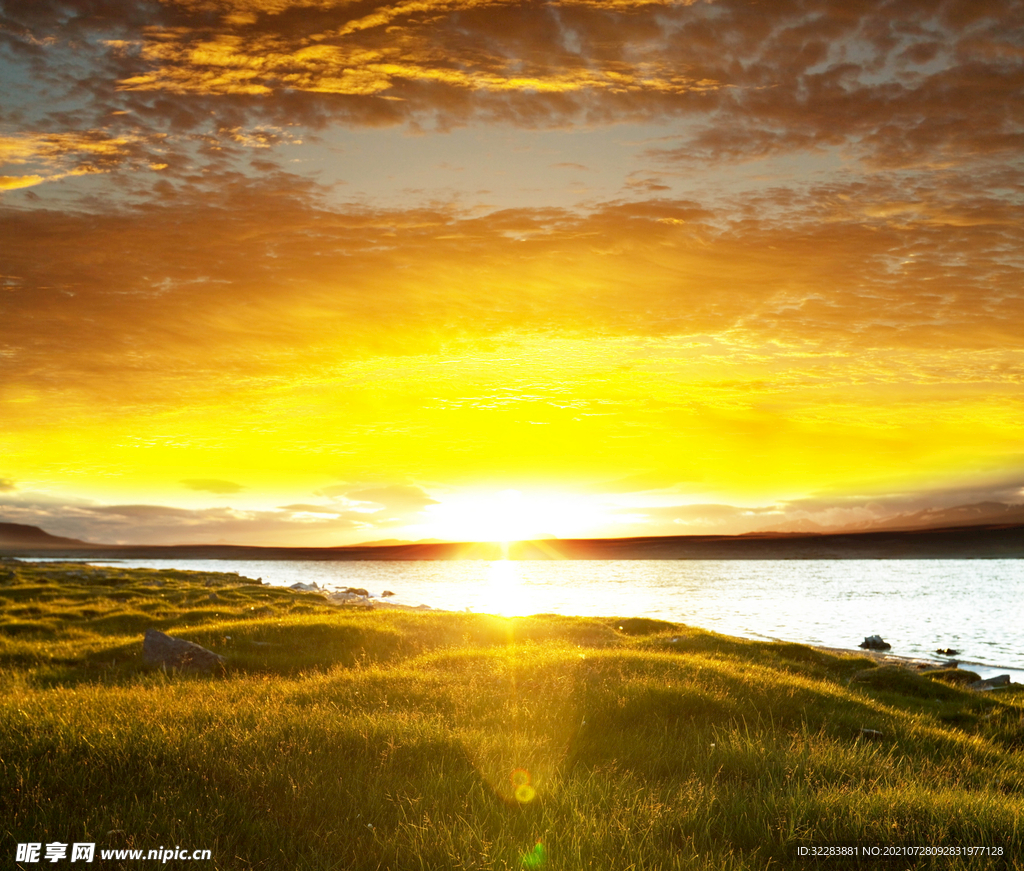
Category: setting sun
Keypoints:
(511, 515)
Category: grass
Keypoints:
(342, 739)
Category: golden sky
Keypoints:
(315, 273)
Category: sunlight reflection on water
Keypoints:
(974, 606)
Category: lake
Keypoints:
(973, 606)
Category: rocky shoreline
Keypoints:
(991, 676)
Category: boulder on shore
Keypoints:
(875, 642)
(168, 652)
(344, 597)
(305, 588)
(1000, 680)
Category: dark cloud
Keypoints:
(170, 300)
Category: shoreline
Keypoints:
(341, 599)
(918, 663)
(882, 657)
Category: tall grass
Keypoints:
(396, 740)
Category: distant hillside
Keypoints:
(20, 535)
(391, 542)
(964, 542)
(978, 514)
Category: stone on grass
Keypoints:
(345, 597)
(168, 652)
(304, 588)
(1000, 680)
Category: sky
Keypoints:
(318, 273)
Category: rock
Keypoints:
(343, 597)
(1000, 680)
(357, 591)
(873, 734)
(875, 642)
(213, 597)
(167, 652)
(386, 593)
(947, 651)
(305, 588)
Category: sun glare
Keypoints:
(511, 515)
(506, 594)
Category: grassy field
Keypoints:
(345, 739)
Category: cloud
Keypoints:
(212, 485)
(817, 230)
(298, 524)
(16, 182)
(68, 154)
(894, 85)
(397, 497)
(7, 485)
(160, 524)
(302, 508)
(362, 63)
(855, 265)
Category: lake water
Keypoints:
(973, 606)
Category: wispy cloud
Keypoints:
(212, 485)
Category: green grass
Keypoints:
(342, 739)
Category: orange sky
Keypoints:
(310, 272)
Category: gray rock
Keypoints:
(167, 652)
(875, 642)
(343, 597)
(1000, 680)
(304, 588)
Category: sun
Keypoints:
(510, 515)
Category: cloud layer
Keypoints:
(714, 249)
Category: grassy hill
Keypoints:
(358, 739)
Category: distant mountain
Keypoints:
(800, 527)
(391, 542)
(22, 535)
(977, 514)
(972, 540)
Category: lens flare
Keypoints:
(520, 777)
(525, 793)
(536, 858)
